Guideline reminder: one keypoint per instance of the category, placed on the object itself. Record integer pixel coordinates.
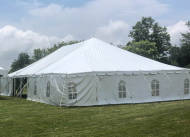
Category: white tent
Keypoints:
(95, 73)
(3, 82)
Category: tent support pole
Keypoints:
(64, 89)
(20, 87)
(96, 87)
(21, 90)
(14, 86)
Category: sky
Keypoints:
(29, 24)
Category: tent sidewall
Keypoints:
(99, 89)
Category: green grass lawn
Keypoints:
(22, 118)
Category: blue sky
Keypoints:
(13, 10)
(29, 24)
(178, 10)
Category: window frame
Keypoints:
(186, 86)
(72, 91)
(48, 89)
(122, 89)
(155, 87)
(35, 87)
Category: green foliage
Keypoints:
(174, 55)
(185, 41)
(143, 48)
(181, 55)
(184, 55)
(38, 54)
(148, 29)
(185, 48)
(22, 118)
(162, 39)
(22, 61)
(142, 29)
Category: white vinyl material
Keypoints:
(4, 82)
(96, 69)
(93, 89)
(91, 56)
(5, 86)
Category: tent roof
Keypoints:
(92, 55)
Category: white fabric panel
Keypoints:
(86, 91)
(97, 89)
(4, 86)
(59, 92)
(56, 89)
(10, 88)
(91, 56)
(139, 88)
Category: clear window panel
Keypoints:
(120, 94)
(124, 94)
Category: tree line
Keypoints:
(148, 39)
(151, 40)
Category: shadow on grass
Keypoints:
(11, 97)
(3, 98)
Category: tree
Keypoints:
(22, 61)
(185, 41)
(142, 29)
(184, 59)
(148, 29)
(174, 53)
(161, 37)
(184, 56)
(181, 55)
(38, 54)
(143, 48)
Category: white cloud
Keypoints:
(115, 32)
(119, 8)
(176, 30)
(83, 22)
(13, 41)
(68, 38)
(50, 10)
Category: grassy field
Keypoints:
(22, 118)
